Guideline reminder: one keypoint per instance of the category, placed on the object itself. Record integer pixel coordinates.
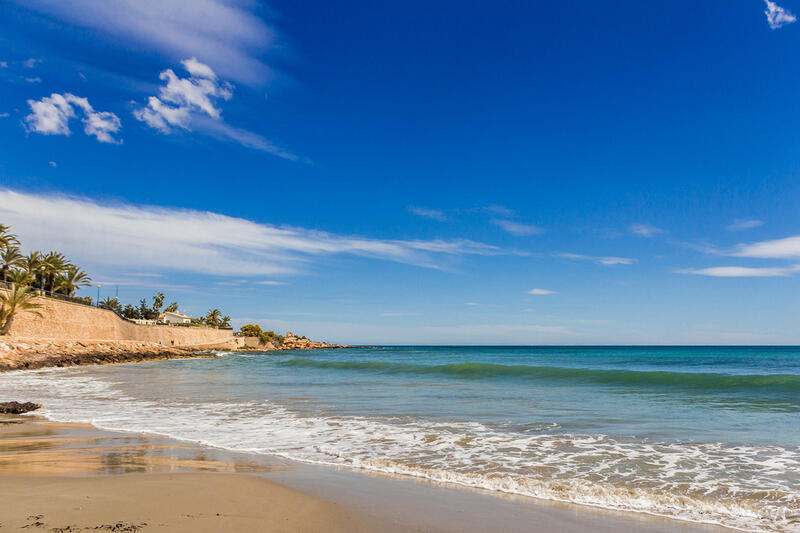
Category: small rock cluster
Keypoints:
(17, 408)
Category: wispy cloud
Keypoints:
(157, 238)
(744, 224)
(786, 248)
(52, 164)
(517, 228)
(742, 272)
(433, 214)
(229, 34)
(472, 304)
(541, 292)
(645, 230)
(31, 62)
(271, 282)
(600, 260)
(193, 103)
(777, 17)
(35, 79)
(51, 116)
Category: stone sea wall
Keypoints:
(68, 321)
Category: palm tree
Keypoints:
(17, 300)
(20, 277)
(10, 257)
(212, 318)
(73, 278)
(111, 304)
(54, 263)
(7, 238)
(158, 302)
(32, 262)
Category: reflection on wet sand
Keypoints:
(32, 446)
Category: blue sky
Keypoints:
(451, 172)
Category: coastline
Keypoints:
(31, 354)
(76, 476)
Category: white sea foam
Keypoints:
(746, 487)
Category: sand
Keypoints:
(164, 502)
(71, 477)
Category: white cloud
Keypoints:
(541, 292)
(3, 64)
(644, 230)
(179, 98)
(271, 282)
(433, 214)
(3, 115)
(51, 116)
(777, 17)
(517, 228)
(193, 104)
(52, 164)
(229, 34)
(600, 260)
(786, 248)
(33, 80)
(742, 272)
(472, 304)
(156, 238)
(31, 62)
(744, 224)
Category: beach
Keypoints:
(679, 437)
(74, 477)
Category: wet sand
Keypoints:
(73, 477)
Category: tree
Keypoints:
(251, 330)
(145, 312)
(130, 312)
(10, 257)
(53, 264)
(7, 239)
(172, 308)
(21, 277)
(158, 302)
(18, 299)
(111, 304)
(212, 318)
(32, 262)
(225, 322)
(73, 279)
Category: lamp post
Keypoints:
(98, 295)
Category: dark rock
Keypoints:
(16, 408)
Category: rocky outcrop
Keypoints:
(17, 408)
(290, 342)
(21, 354)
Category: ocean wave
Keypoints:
(783, 383)
(746, 487)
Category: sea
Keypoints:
(701, 434)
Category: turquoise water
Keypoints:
(708, 434)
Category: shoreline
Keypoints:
(32, 354)
(77, 457)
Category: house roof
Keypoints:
(175, 314)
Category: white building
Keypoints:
(174, 318)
